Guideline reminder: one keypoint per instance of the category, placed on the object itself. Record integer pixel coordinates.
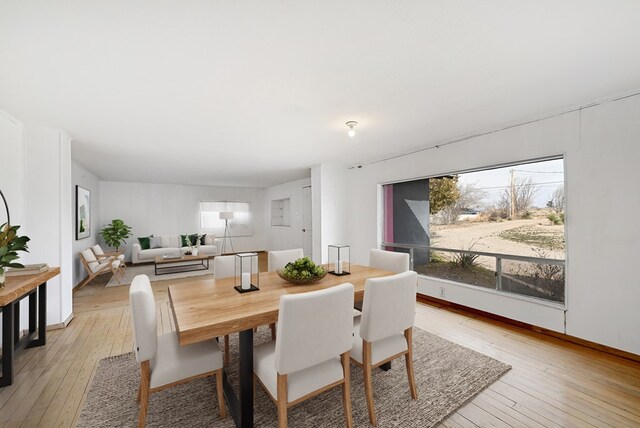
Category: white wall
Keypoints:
(80, 176)
(602, 157)
(37, 182)
(329, 200)
(281, 237)
(47, 213)
(162, 209)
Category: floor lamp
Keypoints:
(226, 216)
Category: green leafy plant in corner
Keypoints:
(115, 233)
(10, 244)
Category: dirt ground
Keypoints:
(486, 236)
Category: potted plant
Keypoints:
(10, 244)
(114, 234)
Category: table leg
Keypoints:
(241, 406)
(16, 322)
(42, 317)
(7, 345)
(33, 314)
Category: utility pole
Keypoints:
(512, 210)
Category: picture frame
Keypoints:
(83, 213)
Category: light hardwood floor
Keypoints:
(553, 383)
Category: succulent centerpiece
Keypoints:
(302, 271)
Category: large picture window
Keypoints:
(240, 225)
(500, 228)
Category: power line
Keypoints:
(540, 172)
(545, 183)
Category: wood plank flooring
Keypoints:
(553, 383)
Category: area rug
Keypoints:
(149, 270)
(447, 375)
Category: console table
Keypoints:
(16, 289)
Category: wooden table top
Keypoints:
(183, 258)
(18, 286)
(207, 308)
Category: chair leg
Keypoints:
(226, 350)
(368, 383)
(145, 378)
(346, 389)
(272, 326)
(408, 334)
(139, 392)
(223, 410)
(282, 401)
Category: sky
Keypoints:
(547, 174)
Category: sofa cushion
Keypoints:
(194, 239)
(209, 240)
(153, 252)
(145, 242)
(156, 242)
(171, 241)
(202, 239)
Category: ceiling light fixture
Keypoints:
(351, 124)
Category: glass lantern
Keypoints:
(246, 274)
(339, 259)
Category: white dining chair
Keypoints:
(223, 267)
(279, 259)
(384, 332)
(385, 260)
(311, 353)
(163, 362)
(389, 260)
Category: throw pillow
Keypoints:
(155, 242)
(202, 239)
(183, 240)
(145, 242)
(193, 239)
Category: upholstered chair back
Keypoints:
(97, 250)
(279, 259)
(90, 258)
(389, 306)
(224, 266)
(389, 260)
(314, 327)
(143, 315)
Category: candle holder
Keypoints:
(246, 273)
(339, 259)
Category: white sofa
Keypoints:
(171, 245)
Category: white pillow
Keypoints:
(155, 242)
(209, 240)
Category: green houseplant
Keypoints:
(114, 234)
(10, 244)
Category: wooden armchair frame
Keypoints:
(108, 267)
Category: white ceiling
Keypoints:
(252, 93)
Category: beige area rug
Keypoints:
(447, 375)
(149, 270)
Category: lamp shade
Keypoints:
(226, 215)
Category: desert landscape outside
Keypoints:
(499, 228)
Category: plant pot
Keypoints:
(194, 251)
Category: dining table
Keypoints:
(209, 309)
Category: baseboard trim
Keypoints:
(60, 325)
(575, 340)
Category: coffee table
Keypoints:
(183, 263)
